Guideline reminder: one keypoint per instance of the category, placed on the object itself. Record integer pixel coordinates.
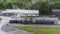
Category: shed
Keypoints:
(56, 12)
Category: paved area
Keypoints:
(2, 23)
(8, 28)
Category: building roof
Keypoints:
(55, 9)
(21, 11)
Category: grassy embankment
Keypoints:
(0, 19)
(39, 30)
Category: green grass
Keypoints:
(0, 19)
(27, 16)
(39, 30)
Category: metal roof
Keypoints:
(20, 11)
(55, 9)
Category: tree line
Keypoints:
(44, 6)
